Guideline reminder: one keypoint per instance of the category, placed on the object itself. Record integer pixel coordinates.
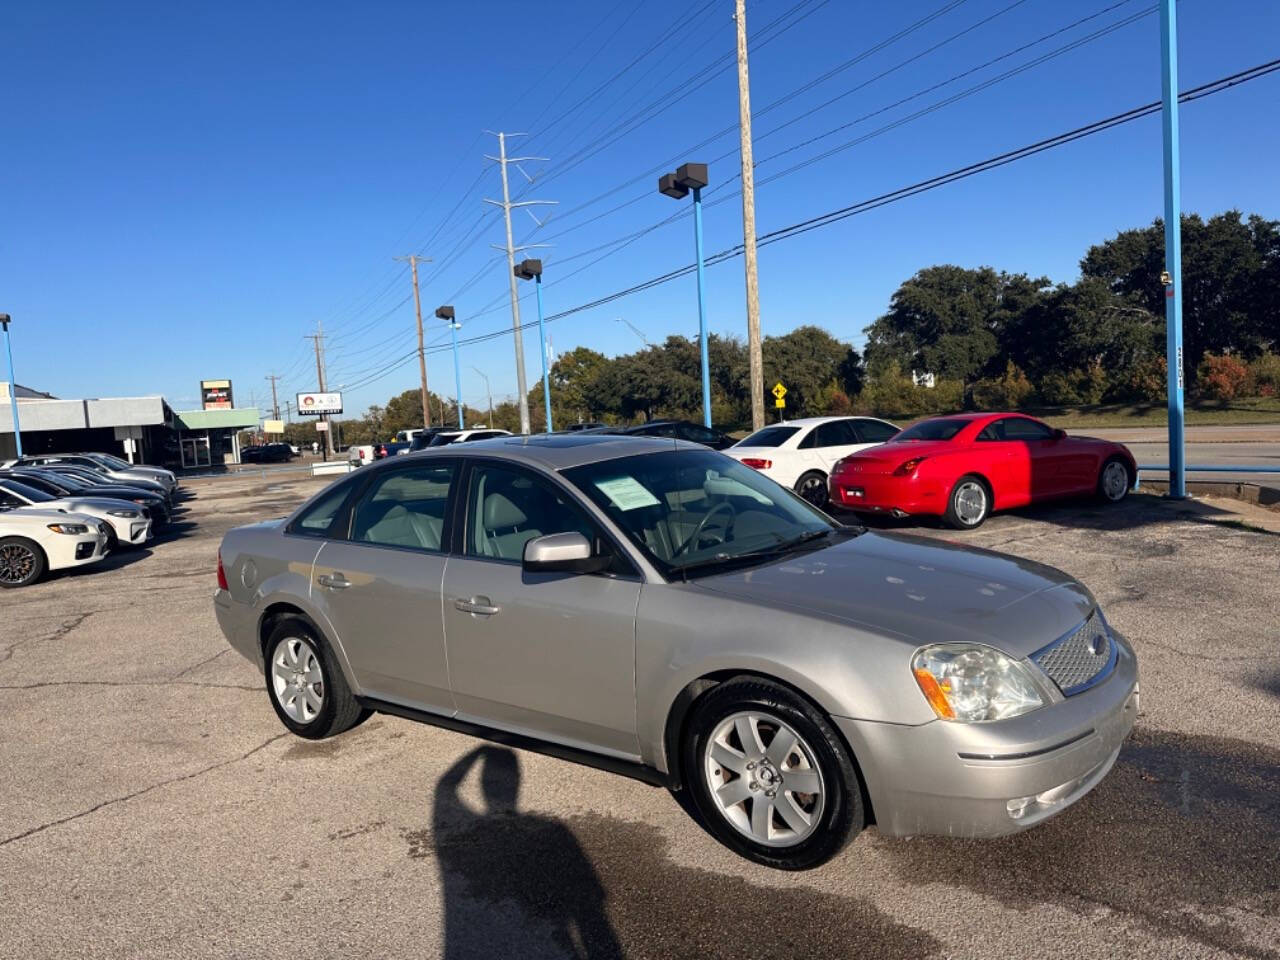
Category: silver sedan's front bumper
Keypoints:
(990, 779)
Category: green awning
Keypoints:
(234, 418)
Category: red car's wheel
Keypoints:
(969, 503)
(1114, 480)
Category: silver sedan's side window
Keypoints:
(508, 508)
(405, 508)
(318, 518)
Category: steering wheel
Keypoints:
(701, 528)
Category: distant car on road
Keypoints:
(800, 453)
(33, 541)
(382, 450)
(126, 522)
(963, 467)
(422, 438)
(359, 454)
(658, 609)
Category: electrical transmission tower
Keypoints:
(505, 203)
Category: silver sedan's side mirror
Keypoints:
(562, 553)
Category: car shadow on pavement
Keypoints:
(1181, 836)
(589, 885)
(1136, 511)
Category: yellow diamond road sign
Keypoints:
(779, 390)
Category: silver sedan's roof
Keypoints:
(560, 451)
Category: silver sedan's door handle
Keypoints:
(477, 605)
(334, 581)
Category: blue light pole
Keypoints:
(693, 176)
(532, 270)
(1172, 277)
(13, 385)
(446, 314)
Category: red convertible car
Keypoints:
(964, 466)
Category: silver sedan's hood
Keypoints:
(920, 590)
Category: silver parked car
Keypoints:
(659, 609)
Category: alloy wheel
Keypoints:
(1115, 480)
(297, 680)
(971, 502)
(16, 562)
(814, 489)
(764, 779)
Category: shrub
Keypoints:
(1006, 392)
(1057, 390)
(1264, 375)
(1091, 384)
(1221, 376)
(891, 393)
(1147, 382)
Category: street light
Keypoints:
(13, 385)
(693, 176)
(446, 314)
(532, 270)
(488, 392)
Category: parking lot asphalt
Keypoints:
(151, 805)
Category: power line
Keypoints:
(1217, 86)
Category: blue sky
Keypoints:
(188, 188)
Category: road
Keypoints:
(1244, 445)
(151, 806)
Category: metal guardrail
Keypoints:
(1201, 468)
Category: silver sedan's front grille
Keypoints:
(1080, 659)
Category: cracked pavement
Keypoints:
(151, 805)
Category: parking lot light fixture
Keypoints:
(532, 270)
(446, 313)
(692, 177)
(13, 385)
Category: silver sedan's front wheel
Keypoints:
(766, 778)
(297, 679)
(770, 777)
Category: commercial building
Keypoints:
(140, 429)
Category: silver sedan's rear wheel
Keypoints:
(769, 776)
(297, 679)
(766, 778)
(305, 683)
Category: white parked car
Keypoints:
(359, 455)
(33, 541)
(800, 453)
(126, 522)
(466, 436)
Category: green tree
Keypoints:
(809, 361)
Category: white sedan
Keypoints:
(126, 522)
(800, 453)
(33, 541)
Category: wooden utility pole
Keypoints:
(413, 259)
(749, 223)
(318, 339)
(275, 403)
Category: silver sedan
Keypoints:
(660, 610)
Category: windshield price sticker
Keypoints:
(626, 493)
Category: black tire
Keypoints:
(1106, 491)
(339, 711)
(841, 816)
(22, 562)
(960, 508)
(812, 486)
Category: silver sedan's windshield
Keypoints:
(690, 509)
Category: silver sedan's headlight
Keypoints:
(971, 683)
(127, 514)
